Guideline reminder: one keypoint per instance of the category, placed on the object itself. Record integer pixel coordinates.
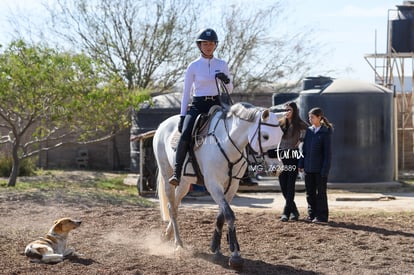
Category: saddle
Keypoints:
(201, 126)
(199, 133)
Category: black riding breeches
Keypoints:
(200, 105)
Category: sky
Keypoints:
(347, 29)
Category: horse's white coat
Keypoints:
(232, 133)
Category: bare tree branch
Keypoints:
(136, 39)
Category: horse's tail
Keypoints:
(162, 196)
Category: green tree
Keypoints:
(50, 98)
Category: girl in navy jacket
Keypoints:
(316, 163)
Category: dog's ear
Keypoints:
(60, 220)
(57, 227)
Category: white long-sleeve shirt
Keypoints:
(199, 79)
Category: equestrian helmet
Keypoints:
(207, 35)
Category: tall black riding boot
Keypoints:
(181, 153)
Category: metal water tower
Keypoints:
(394, 69)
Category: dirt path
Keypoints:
(362, 237)
(338, 200)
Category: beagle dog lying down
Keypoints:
(52, 247)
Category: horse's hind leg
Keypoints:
(173, 214)
(216, 240)
(167, 234)
(235, 260)
(175, 195)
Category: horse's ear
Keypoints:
(265, 114)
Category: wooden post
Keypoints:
(141, 138)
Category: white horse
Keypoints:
(222, 162)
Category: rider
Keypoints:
(199, 81)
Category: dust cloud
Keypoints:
(150, 242)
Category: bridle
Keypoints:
(243, 156)
(258, 133)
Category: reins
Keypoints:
(223, 152)
(220, 93)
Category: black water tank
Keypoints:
(317, 82)
(402, 28)
(400, 39)
(362, 141)
(283, 98)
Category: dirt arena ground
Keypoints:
(125, 238)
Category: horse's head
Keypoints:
(267, 133)
(264, 132)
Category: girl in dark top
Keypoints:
(316, 163)
(294, 130)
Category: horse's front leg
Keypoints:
(235, 260)
(216, 240)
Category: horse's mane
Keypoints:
(243, 110)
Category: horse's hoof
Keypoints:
(180, 252)
(236, 262)
(179, 248)
(164, 238)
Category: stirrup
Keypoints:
(174, 180)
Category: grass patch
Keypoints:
(84, 188)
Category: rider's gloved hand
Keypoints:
(180, 124)
(223, 77)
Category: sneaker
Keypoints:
(309, 219)
(284, 218)
(317, 220)
(294, 217)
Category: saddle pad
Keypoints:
(198, 139)
(175, 139)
